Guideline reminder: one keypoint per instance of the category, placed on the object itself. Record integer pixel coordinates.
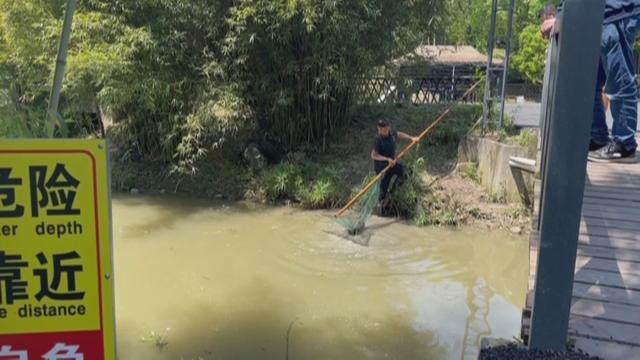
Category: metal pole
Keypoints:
(453, 84)
(569, 112)
(507, 57)
(53, 116)
(486, 107)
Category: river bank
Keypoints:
(441, 192)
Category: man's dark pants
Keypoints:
(397, 170)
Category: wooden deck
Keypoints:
(605, 311)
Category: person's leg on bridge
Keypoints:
(622, 82)
(617, 61)
(599, 129)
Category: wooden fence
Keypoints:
(416, 90)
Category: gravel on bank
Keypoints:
(516, 352)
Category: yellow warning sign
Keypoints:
(56, 277)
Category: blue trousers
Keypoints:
(616, 70)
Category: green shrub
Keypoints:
(281, 181)
(435, 209)
(28, 122)
(312, 185)
(470, 172)
(123, 177)
(10, 124)
(423, 217)
(450, 218)
(529, 58)
(322, 193)
(524, 138)
(404, 200)
(436, 218)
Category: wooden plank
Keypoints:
(606, 188)
(613, 173)
(599, 252)
(610, 265)
(614, 169)
(609, 242)
(623, 281)
(607, 204)
(607, 349)
(613, 188)
(618, 182)
(610, 189)
(611, 233)
(612, 213)
(630, 170)
(610, 205)
(531, 284)
(595, 221)
(591, 166)
(603, 193)
(615, 179)
(623, 199)
(610, 202)
(533, 260)
(602, 329)
(606, 294)
(620, 313)
(595, 172)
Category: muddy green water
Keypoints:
(196, 280)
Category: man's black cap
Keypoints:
(383, 123)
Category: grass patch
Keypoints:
(437, 210)
(310, 184)
(405, 200)
(470, 172)
(217, 175)
(523, 138)
(15, 124)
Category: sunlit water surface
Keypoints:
(196, 280)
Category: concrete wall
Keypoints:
(496, 176)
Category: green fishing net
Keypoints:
(354, 222)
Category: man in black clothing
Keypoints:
(384, 153)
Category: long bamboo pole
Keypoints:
(52, 114)
(406, 150)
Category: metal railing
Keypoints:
(567, 111)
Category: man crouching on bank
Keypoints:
(384, 153)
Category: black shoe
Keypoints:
(593, 146)
(614, 153)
